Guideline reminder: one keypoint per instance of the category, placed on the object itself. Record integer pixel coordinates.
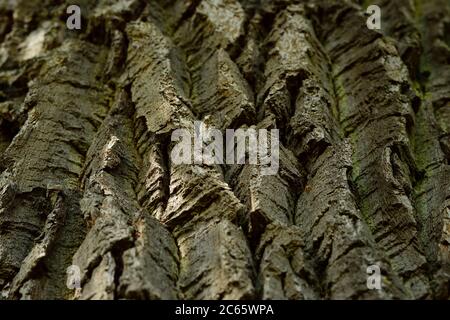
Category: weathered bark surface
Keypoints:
(86, 178)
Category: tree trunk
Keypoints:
(93, 207)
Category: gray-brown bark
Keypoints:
(87, 180)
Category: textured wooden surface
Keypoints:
(86, 179)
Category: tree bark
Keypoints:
(87, 180)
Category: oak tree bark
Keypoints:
(86, 177)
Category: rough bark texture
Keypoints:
(86, 178)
